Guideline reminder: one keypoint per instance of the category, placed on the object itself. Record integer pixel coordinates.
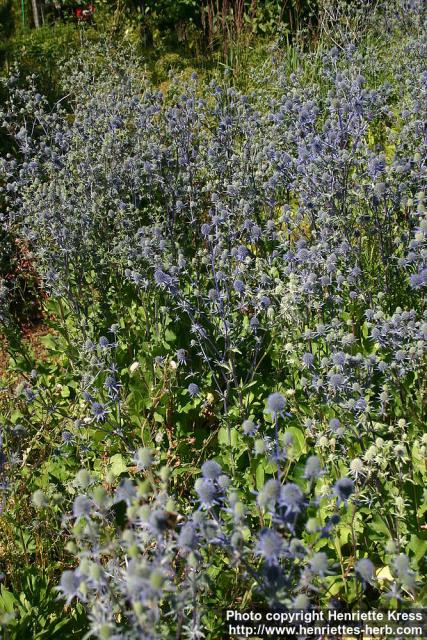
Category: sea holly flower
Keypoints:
(193, 389)
(343, 488)
(69, 585)
(312, 469)
(207, 492)
(181, 356)
(143, 458)
(276, 404)
(319, 564)
(269, 495)
(211, 470)
(188, 538)
(292, 498)
(403, 571)
(82, 506)
(249, 428)
(270, 546)
(99, 411)
(365, 570)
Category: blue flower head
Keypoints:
(343, 488)
(193, 389)
(270, 546)
(211, 470)
(276, 404)
(207, 492)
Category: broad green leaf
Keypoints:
(259, 476)
(418, 548)
(298, 444)
(118, 465)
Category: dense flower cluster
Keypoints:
(158, 564)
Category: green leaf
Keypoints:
(65, 392)
(170, 336)
(418, 548)
(7, 601)
(344, 533)
(259, 476)
(49, 342)
(379, 527)
(299, 446)
(190, 469)
(118, 465)
(225, 439)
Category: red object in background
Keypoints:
(85, 13)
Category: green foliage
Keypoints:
(41, 52)
(37, 613)
(7, 20)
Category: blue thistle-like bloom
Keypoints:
(112, 385)
(188, 538)
(211, 470)
(307, 359)
(334, 424)
(181, 356)
(223, 481)
(254, 323)
(125, 492)
(343, 488)
(69, 585)
(312, 469)
(82, 506)
(336, 381)
(292, 497)
(193, 389)
(99, 411)
(239, 286)
(339, 358)
(418, 280)
(88, 397)
(269, 495)
(207, 492)
(242, 252)
(365, 570)
(164, 280)
(402, 570)
(29, 394)
(319, 564)
(360, 405)
(276, 404)
(159, 521)
(249, 427)
(89, 345)
(270, 546)
(212, 295)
